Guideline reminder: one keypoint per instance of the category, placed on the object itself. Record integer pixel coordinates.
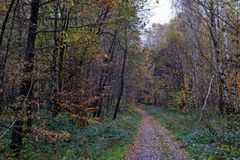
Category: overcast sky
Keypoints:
(159, 12)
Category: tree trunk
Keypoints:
(223, 90)
(53, 84)
(121, 84)
(227, 57)
(122, 75)
(2, 56)
(104, 74)
(26, 85)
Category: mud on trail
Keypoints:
(154, 142)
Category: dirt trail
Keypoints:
(154, 142)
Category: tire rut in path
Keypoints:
(154, 142)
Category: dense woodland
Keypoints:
(200, 44)
(81, 63)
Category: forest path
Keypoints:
(153, 142)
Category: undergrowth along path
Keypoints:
(154, 142)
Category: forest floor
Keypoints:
(154, 142)
(105, 140)
(214, 138)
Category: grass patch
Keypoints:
(217, 138)
(107, 140)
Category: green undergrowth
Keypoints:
(214, 138)
(106, 140)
